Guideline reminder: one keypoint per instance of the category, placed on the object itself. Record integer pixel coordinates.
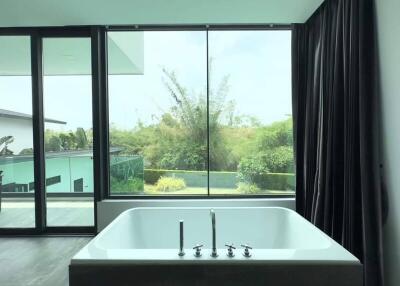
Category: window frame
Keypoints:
(206, 28)
(36, 35)
(98, 35)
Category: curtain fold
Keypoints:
(336, 128)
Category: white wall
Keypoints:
(20, 129)
(108, 12)
(388, 16)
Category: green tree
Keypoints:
(190, 117)
(26, 151)
(4, 142)
(81, 140)
(273, 151)
(277, 134)
(279, 159)
(53, 144)
(179, 139)
(68, 141)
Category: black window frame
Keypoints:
(206, 28)
(98, 36)
(37, 34)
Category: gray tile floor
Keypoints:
(59, 213)
(37, 261)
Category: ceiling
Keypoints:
(63, 56)
(19, 13)
(72, 56)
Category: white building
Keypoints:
(19, 125)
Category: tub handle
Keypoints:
(230, 249)
(198, 250)
(246, 252)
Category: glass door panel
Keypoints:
(67, 99)
(17, 202)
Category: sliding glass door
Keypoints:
(17, 206)
(46, 136)
(67, 101)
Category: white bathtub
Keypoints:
(281, 240)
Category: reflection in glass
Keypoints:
(17, 206)
(67, 96)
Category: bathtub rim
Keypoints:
(292, 212)
(169, 256)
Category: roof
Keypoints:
(24, 116)
(72, 56)
(12, 159)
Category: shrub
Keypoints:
(252, 170)
(26, 151)
(264, 169)
(248, 189)
(151, 176)
(184, 155)
(255, 170)
(129, 186)
(124, 168)
(170, 184)
(279, 181)
(279, 160)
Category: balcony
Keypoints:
(69, 190)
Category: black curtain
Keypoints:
(336, 128)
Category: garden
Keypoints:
(172, 155)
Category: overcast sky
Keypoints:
(258, 64)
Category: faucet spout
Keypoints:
(181, 249)
(214, 235)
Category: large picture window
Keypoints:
(200, 112)
(158, 112)
(251, 142)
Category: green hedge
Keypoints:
(270, 181)
(277, 181)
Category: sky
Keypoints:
(258, 64)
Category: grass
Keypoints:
(150, 190)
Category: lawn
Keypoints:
(149, 190)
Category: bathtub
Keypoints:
(140, 247)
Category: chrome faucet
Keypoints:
(214, 240)
(181, 249)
